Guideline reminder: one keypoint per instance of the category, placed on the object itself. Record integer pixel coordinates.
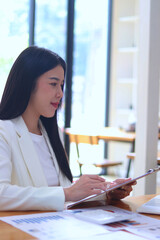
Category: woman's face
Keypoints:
(48, 92)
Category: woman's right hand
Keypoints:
(85, 186)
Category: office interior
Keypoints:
(112, 52)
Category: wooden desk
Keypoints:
(132, 203)
(128, 203)
(106, 134)
(112, 134)
(8, 232)
(132, 155)
(116, 134)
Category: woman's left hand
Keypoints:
(122, 192)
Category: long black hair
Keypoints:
(21, 82)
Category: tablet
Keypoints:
(150, 171)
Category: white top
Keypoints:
(46, 160)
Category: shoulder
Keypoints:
(10, 124)
(6, 130)
(8, 127)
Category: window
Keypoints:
(89, 55)
(89, 58)
(51, 31)
(50, 25)
(14, 34)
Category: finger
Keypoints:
(101, 186)
(129, 184)
(94, 181)
(111, 184)
(121, 191)
(118, 194)
(95, 177)
(96, 191)
(126, 189)
(121, 180)
(133, 183)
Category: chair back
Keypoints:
(91, 150)
(80, 138)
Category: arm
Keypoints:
(13, 197)
(16, 194)
(92, 184)
(86, 185)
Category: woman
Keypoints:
(34, 171)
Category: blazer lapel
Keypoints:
(29, 154)
(62, 178)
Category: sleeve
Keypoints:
(14, 197)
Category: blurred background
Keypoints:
(99, 39)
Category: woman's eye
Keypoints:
(53, 84)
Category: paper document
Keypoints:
(54, 225)
(101, 215)
(152, 206)
(120, 235)
(64, 226)
(141, 225)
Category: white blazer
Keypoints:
(23, 185)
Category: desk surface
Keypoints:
(8, 232)
(107, 134)
(116, 134)
(132, 155)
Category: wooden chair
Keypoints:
(91, 140)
